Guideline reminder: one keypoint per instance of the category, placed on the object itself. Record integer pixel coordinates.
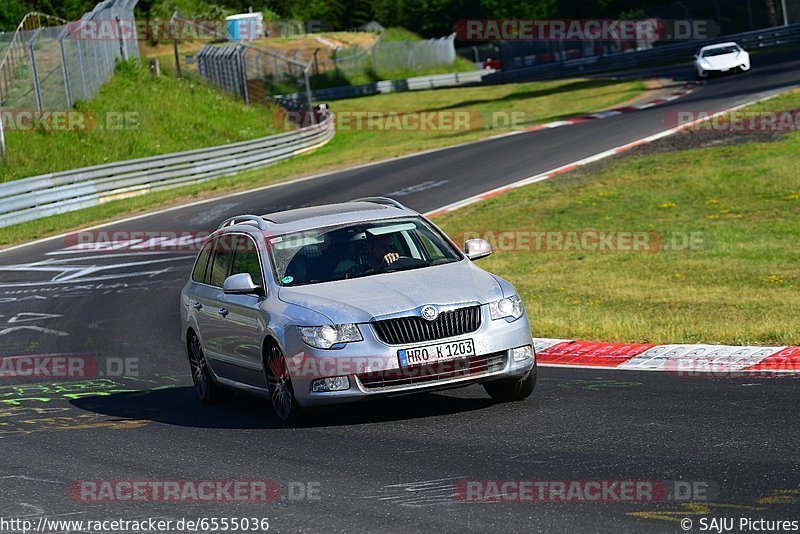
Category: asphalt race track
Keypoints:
(390, 465)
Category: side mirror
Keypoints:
(241, 284)
(476, 249)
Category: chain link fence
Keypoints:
(383, 56)
(242, 68)
(255, 73)
(49, 63)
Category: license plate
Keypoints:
(434, 353)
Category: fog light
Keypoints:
(522, 353)
(336, 383)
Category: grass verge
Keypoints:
(136, 116)
(738, 199)
(537, 101)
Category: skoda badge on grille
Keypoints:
(429, 313)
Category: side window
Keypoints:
(246, 259)
(198, 275)
(220, 265)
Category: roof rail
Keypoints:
(386, 201)
(255, 220)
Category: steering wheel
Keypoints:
(384, 265)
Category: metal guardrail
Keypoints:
(750, 41)
(391, 86)
(61, 192)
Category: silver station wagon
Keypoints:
(345, 302)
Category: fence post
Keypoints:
(175, 44)
(308, 93)
(67, 89)
(242, 52)
(123, 49)
(36, 87)
(82, 66)
(2, 138)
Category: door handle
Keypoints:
(223, 312)
(196, 305)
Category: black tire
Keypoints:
(279, 385)
(208, 391)
(512, 390)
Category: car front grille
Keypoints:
(416, 329)
(430, 373)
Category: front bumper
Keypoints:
(365, 361)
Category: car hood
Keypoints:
(359, 300)
(725, 61)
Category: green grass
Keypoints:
(531, 102)
(537, 101)
(168, 115)
(740, 286)
(399, 34)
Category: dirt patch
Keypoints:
(655, 88)
(688, 140)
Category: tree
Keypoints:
(12, 14)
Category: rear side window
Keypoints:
(246, 259)
(221, 264)
(199, 273)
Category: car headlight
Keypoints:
(508, 307)
(324, 337)
(336, 383)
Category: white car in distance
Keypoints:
(719, 58)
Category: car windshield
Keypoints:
(357, 250)
(720, 51)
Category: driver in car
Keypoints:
(382, 251)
